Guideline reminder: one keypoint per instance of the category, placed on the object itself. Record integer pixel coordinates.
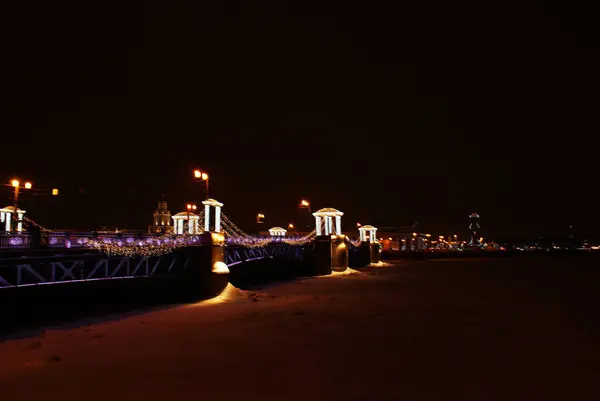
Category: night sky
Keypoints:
(422, 112)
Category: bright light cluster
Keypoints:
(146, 248)
(236, 236)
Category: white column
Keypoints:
(8, 219)
(330, 225)
(317, 225)
(190, 226)
(180, 229)
(218, 219)
(1, 217)
(196, 228)
(372, 235)
(338, 225)
(206, 217)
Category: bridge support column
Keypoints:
(330, 254)
(206, 217)
(375, 256)
(206, 272)
(317, 225)
(339, 253)
(373, 244)
(218, 219)
(217, 205)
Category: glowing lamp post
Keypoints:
(304, 204)
(190, 209)
(202, 176)
(7, 214)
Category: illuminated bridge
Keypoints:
(196, 251)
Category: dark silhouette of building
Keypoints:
(474, 226)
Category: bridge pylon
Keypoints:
(368, 238)
(331, 246)
(217, 205)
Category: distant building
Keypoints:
(399, 238)
(162, 219)
(402, 238)
(474, 227)
(277, 232)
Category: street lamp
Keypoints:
(358, 224)
(190, 207)
(260, 218)
(291, 226)
(16, 184)
(202, 176)
(304, 204)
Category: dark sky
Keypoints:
(423, 112)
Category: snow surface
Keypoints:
(409, 331)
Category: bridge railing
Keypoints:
(15, 241)
(70, 239)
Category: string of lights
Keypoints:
(167, 243)
(237, 236)
(355, 243)
(231, 225)
(146, 248)
(33, 223)
(302, 240)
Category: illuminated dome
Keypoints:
(277, 231)
(184, 215)
(368, 232)
(6, 217)
(191, 227)
(212, 202)
(12, 209)
(367, 227)
(328, 211)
